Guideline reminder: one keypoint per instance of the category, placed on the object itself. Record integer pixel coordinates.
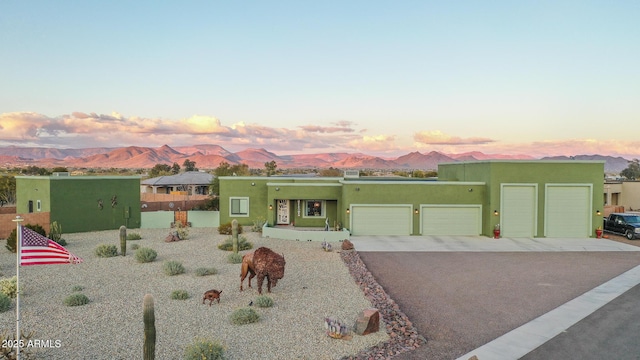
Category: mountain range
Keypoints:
(209, 156)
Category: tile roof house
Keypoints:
(191, 182)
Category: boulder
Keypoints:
(368, 322)
(347, 245)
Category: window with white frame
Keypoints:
(239, 206)
(314, 208)
(38, 205)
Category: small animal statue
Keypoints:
(263, 263)
(211, 295)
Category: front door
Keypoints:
(283, 212)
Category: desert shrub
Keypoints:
(76, 299)
(9, 353)
(244, 316)
(77, 288)
(203, 271)
(135, 246)
(145, 255)
(106, 251)
(5, 302)
(179, 295)
(11, 240)
(182, 231)
(234, 258)
(243, 244)
(173, 268)
(9, 286)
(226, 229)
(55, 233)
(202, 349)
(264, 301)
(134, 236)
(258, 224)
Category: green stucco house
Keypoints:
(82, 203)
(522, 198)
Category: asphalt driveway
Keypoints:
(461, 300)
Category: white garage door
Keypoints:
(518, 215)
(381, 220)
(567, 211)
(452, 220)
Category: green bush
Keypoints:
(244, 316)
(55, 233)
(106, 251)
(134, 236)
(135, 247)
(11, 240)
(243, 244)
(173, 268)
(77, 288)
(179, 295)
(202, 271)
(5, 302)
(76, 299)
(204, 350)
(264, 301)
(234, 258)
(145, 255)
(226, 229)
(9, 286)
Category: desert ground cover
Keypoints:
(316, 284)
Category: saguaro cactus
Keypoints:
(149, 317)
(123, 240)
(234, 235)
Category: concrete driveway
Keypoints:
(497, 298)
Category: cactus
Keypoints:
(335, 328)
(123, 240)
(149, 347)
(234, 235)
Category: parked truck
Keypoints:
(626, 224)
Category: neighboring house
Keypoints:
(82, 203)
(625, 194)
(190, 182)
(525, 198)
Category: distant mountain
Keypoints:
(612, 165)
(209, 156)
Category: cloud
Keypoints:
(436, 137)
(340, 126)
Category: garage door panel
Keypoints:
(518, 211)
(381, 220)
(568, 211)
(451, 220)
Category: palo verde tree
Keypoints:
(224, 169)
(632, 172)
(270, 167)
(7, 190)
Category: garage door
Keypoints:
(451, 220)
(518, 215)
(381, 220)
(567, 210)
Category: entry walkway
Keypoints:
(522, 340)
(481, 243)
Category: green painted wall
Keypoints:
(73, 200)
(498, 172)
(32, 188)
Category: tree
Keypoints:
(159, 170)
(189, 165)
(330, 172)
(60, 169)
(34, 170)
(175, 168)
(224, 169)
(270, 167)
(632, 172)
(7, 190)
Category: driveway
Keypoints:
(467, 295)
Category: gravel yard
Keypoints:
(316, 284)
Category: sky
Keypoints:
(384, 78)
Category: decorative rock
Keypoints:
(171, 238)
(368, 322)
(347, 245)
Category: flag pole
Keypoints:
(18, 220)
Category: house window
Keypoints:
(239, 206)
(314, 208)
(38, 205)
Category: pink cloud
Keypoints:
(436, 137)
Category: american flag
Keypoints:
(36, 249)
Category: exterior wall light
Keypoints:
(598, 212)
(348, 211)
(416, 211)
(357, 189)
(277, 189)
(253, 184)
(495, 213)
(270, 207)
